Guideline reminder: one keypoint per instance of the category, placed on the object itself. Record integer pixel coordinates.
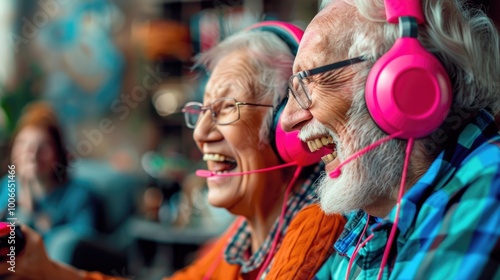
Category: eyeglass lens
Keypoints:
(224, 111)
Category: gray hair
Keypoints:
(271, 58)
(466, 42)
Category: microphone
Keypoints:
(207, 173)
(337, 171)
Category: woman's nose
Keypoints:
(203, 127)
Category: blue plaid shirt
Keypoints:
(449, 226)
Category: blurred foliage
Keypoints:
(13, 100)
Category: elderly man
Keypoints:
(410, 110)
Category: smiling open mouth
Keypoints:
(324, 141)
(219, 164)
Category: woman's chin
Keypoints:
(219, 202)
(223, 191)
(219, 198)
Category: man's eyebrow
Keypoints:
(335, 77)
(329, 76)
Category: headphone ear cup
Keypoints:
(288, 145)
(291, 149)
(408, 90)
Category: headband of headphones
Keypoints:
(394, 9)
(287, 32)
(408, 91)
(287, 144)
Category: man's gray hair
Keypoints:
(467, 44)
(465, 41)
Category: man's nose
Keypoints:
(293, 116)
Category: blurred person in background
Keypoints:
(58, 207)
(233, 129)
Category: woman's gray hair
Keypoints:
(270, 57)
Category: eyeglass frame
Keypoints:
(318, 70)
(203, 109)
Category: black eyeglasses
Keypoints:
(224, 111)
(299, 89)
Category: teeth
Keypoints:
(317, 143)
(330, 157)
(312, 146)
(215, 157)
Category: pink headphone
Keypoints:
(408, 90)
(287, 144)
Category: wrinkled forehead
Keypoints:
(232, 76)
(325, 39)
(313, 50)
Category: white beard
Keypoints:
(374, 175)
(350, 191)
(346, 193)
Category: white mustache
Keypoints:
(314, 128)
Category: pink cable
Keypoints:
(355, 253)
(208, 173)
(336, 172)
(356, 249)
(280, 222)
(409, 148)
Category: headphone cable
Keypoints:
(280, 222)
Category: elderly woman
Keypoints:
(234, 129)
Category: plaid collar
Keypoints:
(238, 250)
(426, 209)
(480, 131)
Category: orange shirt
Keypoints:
(307, 244)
